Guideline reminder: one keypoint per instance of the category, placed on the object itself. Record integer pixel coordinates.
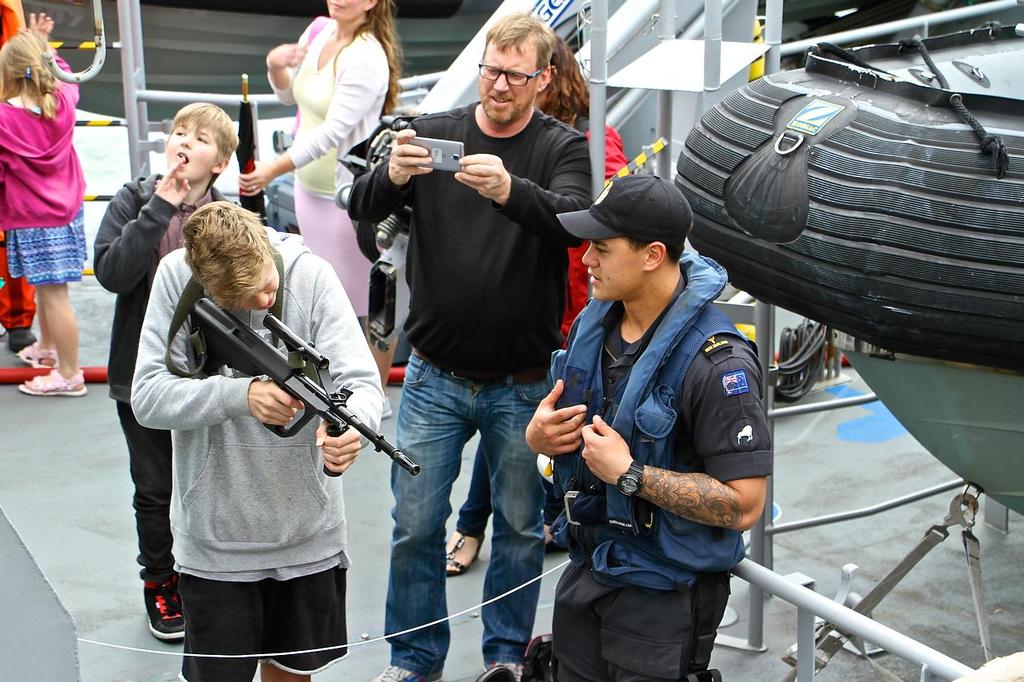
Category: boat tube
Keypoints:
(857, 193)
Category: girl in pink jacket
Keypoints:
(41, 190)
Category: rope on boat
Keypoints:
(991, 145)
(361, 642)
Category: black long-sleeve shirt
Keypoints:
(125, 260)
(487, 281)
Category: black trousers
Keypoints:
(628, 634)
(149, 452)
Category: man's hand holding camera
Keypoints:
(407, 159)
(487, 175)
(484, 173)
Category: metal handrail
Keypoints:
(423, 80)
(800, 46)
(97, 60)
(821, 406)
(809, 602)
(775, 529)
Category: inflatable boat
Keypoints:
(880, 190)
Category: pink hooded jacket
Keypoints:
(41, 181)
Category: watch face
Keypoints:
(628, 485)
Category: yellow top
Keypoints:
(313, 89)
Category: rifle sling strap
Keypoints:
(193, 292)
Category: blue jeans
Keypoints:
(475, 511)
(437, 417)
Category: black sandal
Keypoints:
(453, 567)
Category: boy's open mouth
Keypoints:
(183, 157)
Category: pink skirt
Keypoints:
(328, 232)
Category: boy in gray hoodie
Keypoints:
(259, 530)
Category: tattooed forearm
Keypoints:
(694, 496)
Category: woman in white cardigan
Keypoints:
(342, 74)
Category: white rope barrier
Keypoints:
(278, 654)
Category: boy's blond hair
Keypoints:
(513, 30)
(213, 119)
(228, 250)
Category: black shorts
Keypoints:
(628, 634)
(267, 616)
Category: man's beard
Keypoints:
(500, 115)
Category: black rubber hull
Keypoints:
(909, 241)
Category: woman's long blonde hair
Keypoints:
(23, 73)
(380, 22)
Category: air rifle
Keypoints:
(304, 374)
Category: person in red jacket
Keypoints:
(566, 98)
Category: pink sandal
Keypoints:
(39, 358)
(54, 384)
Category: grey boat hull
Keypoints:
(969, 417)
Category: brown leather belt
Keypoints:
(529, 375)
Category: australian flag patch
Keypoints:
(735, 383)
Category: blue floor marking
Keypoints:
(877, 427)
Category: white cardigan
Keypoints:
(360, 87)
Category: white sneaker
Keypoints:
(395, 674)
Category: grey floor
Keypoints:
(65, 487)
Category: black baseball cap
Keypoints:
(643, 207)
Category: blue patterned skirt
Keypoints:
(48, 255)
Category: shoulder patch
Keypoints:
(715, 344)
(735, 383)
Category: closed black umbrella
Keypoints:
(246, 151)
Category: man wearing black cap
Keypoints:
(659, 441)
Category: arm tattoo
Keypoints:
(694, 496)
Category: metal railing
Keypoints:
(924, 20)
(98, 58)
(810, 604)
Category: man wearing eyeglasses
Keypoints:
(487, 274)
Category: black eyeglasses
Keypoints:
(493, 73)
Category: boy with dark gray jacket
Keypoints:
(143, 224)
(259, 529)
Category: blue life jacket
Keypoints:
(662, 551)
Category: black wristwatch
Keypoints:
(630, 482)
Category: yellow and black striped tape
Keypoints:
(84, 45)
(98, 197)
(64, 45)
(96, 123)
(639, 161)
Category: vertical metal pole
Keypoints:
(598, 92)
(667, 26)
(760, 542)
(133, 77)
(256, 129)
(712, 45)
(773, 36)
(805, 645)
